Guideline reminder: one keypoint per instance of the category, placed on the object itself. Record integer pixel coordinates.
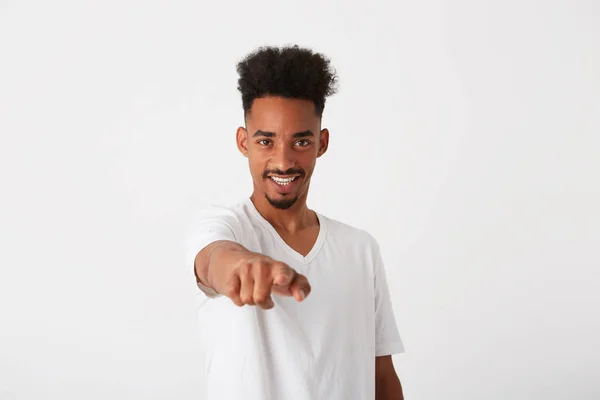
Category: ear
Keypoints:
(241, 137)
(323, 142)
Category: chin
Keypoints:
(282, 202)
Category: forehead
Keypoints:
(282, 115)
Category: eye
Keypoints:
(263, 140)
(305, 141)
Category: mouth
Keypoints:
(284, 185)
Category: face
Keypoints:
(282, 141)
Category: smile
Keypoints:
(283, 181)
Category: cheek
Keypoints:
(309, 166)
(309, 173)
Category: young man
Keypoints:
(296, 304)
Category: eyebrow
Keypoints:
(272, 134)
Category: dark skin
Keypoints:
(387, 383)
(283, 138)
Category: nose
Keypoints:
(283, 158)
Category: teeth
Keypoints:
(283, 181)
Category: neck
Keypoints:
(290, 220)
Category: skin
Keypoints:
(387, 383)
(249, 278)
(284, 137)
(277, 151)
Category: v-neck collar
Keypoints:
(316, 247)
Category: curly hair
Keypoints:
(290, 72)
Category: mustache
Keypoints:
(288, 172)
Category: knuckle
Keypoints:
(261, 298)
(246, 268)
(280, 267)
(231, 291)
(262, 264)
(237, 302)
(246, 299)
(262, 268)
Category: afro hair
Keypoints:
(290, 72)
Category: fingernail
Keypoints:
(302, 294)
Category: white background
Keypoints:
(464, 137)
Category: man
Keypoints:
(296, 305)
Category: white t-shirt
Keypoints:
(321, 348)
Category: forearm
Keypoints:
(388, 388)
(217, 256)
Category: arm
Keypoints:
(221, 252)
(387, 337)
(387, 384)
(226, 267)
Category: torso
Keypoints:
(320, 348)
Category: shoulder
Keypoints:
(220, 216)
(350, 235)
(232, 213)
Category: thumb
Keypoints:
(300, 288)
(284, 275)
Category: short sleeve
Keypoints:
(387, 337)
(207, 226)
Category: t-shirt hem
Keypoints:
(389, 349)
